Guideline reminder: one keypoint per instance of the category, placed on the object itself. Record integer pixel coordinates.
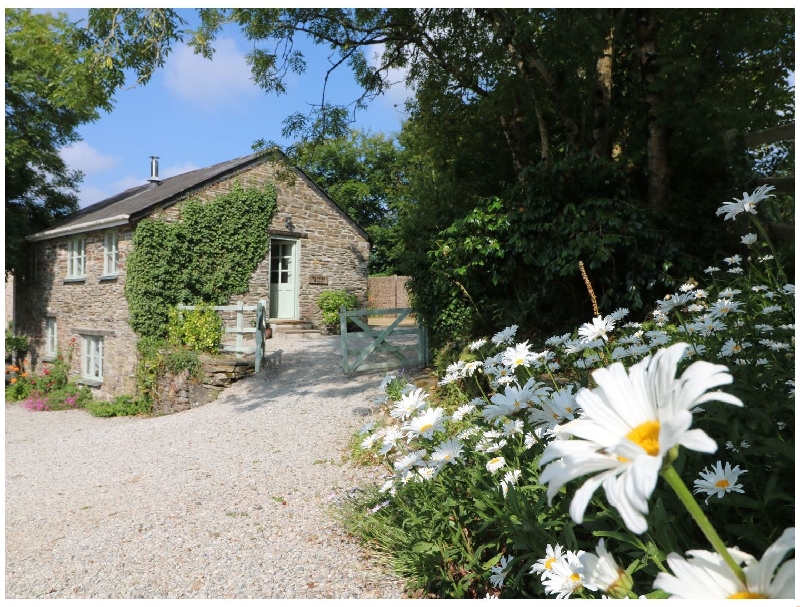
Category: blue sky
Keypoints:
(194, 113)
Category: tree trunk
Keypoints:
(602, 96)
(658, 169)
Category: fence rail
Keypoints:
(405, 355)
(239, 330)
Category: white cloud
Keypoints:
(395, 97)
(83, 157)
(221, 82)
(89, 195)
(177, 169)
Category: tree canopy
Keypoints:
(58, 76)
(536, 138)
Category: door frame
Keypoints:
(295, 276)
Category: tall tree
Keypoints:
(362, 173)
(55, 82)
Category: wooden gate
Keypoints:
(240, 330)
(375, 341)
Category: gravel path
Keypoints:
(224, 501)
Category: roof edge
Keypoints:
(88, 226)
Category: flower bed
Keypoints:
(562, 470)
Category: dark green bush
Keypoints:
(329, 303)
(120, 406)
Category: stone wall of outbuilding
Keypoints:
(330, 246)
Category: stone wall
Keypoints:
(330, 245)
(90, 306)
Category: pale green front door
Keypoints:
(283, 279)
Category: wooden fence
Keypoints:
(375, 341)
(239, 330)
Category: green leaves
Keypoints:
(207, 256)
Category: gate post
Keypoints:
(343, 332)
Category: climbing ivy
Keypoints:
(206, 256)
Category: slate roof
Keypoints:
(141, 200)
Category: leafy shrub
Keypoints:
(19, 386)
(155, 358)
(481, 491)
(120, 406)
(200, 329)
(329, 303)
(70, 396)
(16, 345)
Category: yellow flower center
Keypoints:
(575, 577)
(516, 404)
(747, 595)
(646, 436)
(737, 348)
(722, 484)
(519, 361)
(425, 427)
(494, 461)
(548, 564)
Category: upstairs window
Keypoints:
(111, 253)
(76, 258)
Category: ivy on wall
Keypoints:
(206, 256)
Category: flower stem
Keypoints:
(683, 493)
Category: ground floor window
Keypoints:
(51, 345)
(92, 357)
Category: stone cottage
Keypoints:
(73, 294)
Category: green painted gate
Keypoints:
(375, 341)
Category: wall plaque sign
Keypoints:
(317, 279)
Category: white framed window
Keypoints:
(51, 333)
(111, 253)
(76, 258)
(92, 367)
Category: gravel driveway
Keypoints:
(224, 501)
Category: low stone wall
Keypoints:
(180, 392)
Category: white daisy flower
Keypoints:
(719, 481)
(499, 571)
(723, 307)
(530, 440)
(494, 464)
(512, 427)
(601, 570)
(771, 309)
(677, 300)
(557, 340)
(687, 286)
(788, 289)
(704, 575)
(758, 288)
(766, 258)
(509, 478)
(517, 355)
(736, 270)
(448, 452)
(390, 438)
(629, 423)
(544, 566)
(409, 403)
(477, 344)
(467, 433)
(747, 204)
(506, 335)
(371, 440)
(462, 411)
(618, 314)
(471, 367)
(565, 578)
(427, 473)
(711, 269)
(749, 239)
(367, 427)
(410, 460)
(728, 293)
(733, 260)
(426, 424)
(599, 328)
(731, 347)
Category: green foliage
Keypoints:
(362, 174)
(201, 329)
(206, 256)
(156, 357)
(329, 303)
(52, 88)
(18, 388)
(16, 345)
(118, 407)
